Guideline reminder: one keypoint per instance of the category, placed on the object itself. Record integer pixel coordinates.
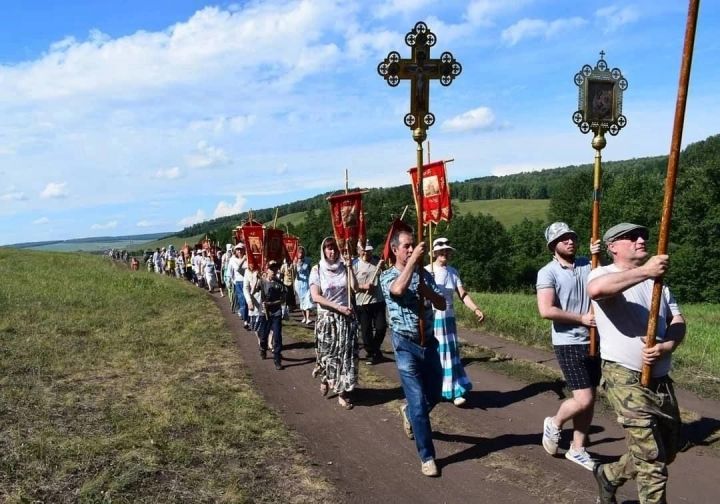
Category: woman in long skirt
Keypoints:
(336, 329)
(302, 285)
(455, 382)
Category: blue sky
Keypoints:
(132, 117)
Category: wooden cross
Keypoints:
(420, 69)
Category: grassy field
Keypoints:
(508, 211)
(127, 387)
(696, 362)
(293, 218)
(174, 240)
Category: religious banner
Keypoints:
(238, 235)
(436, 192)
(348, 220)
(291, 244)
(387, 254)
(253, 237)
(274, 248)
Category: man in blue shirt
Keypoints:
(418, 365)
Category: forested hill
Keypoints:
(492, 257)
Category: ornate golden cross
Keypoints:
(419, 69)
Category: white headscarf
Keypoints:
(334, 268)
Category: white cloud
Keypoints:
(199, 216)
(539, 28)
(146, 223)
(614, 16)
(207, 156)
(108, 225)
(482, 12)
(55, 190)
(169, 173)
(209, 43)
(13, 195)
(234, 124)
(395, 7)
(41, 221)
(475, 119)
(224, 209)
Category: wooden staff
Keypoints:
(419, 206)
(671, 176)
(598, 143)
(275, 219)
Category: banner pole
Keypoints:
(671, 176)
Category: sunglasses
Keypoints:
(442, 243)
(633, 236)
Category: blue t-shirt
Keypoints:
(403, 311)
(570, 286)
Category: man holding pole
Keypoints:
(621, 296)
(562, 298)
(418, 364)
(369, 303)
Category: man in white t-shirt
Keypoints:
(621, 295)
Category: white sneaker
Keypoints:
(459, 401)
(580, 457)
(551, 436)
(430, 469)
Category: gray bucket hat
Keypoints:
(618, 230)
(555, 231)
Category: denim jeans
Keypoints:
(241, 302)
(274, 325)
(421, 377)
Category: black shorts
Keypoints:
(580, 370)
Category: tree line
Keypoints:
(491, 257)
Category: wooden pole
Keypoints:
(348, 248)
(598, 143)
(671, 176)
(275, 219)
(420, 238)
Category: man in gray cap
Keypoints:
(621, 294)
(562, 298)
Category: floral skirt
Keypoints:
(336, 349)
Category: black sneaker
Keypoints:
(278, 366)
(606, 490)
(263, 354)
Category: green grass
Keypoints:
(696, 364)
(293, 218)
(508, 211)
(174, 240)
(119, 386)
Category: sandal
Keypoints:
(345, 403)
(324, 388)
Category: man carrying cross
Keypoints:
(419, 366)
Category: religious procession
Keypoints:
(614, 326)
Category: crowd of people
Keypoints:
(355, 301)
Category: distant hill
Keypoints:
(91, 244)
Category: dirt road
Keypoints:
(488, 451)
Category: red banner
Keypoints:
(348, 220)
(238, 235)
(387, 254)
(253, 237)
(291, 244)
(436, 192)
(274, 248)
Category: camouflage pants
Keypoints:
(651, 420)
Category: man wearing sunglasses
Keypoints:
(562, 298)
(621, 295)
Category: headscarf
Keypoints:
(326, 266)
